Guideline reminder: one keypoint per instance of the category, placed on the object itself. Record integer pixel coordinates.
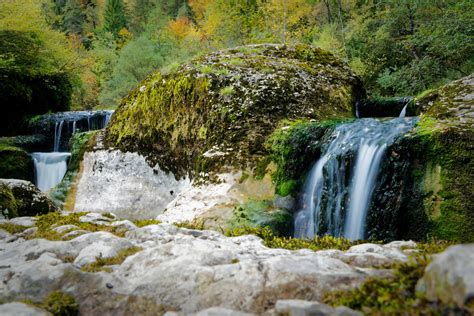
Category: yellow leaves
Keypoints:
(181, 28)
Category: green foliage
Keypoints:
(101, 263)
(136, 60)
(114, 17)
(60, 304)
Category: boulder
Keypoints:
(449, 278)
(219, 109)
(189, 145)
(29, 200)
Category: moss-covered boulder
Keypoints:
(219, 109)
(15, 162)
(442, 150)
(22, 198)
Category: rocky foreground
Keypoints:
(161, 268)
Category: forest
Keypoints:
(87, 54)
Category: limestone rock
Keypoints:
(21, 309)
(305, 308)
(449, 278)
(182, 270)
(123, 183)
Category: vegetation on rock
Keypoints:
(396, 294)
(183, 122)
(15, 163)
(101, 264)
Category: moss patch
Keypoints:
(12, 228)
(8, 203)
(101, 264)
(396, 295)
(262, 214)
(47, 222)
(272, 241)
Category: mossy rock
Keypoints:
(442, 147)
(15, 163)
(218, 110)
(8, 205)
(25, 195)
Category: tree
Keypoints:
(114, 16)
(73, 17)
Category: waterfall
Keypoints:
(58, 127)
(49, 169)
(338, 191)
(403, 113)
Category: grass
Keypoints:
(101, 264)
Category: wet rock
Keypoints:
(449, 278)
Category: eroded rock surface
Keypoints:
(178, 269)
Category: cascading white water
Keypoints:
(403, 113)
(335, 201)
(49, 169)
(58, 127)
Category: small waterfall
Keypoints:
(58, 127)
(403, 113)
(50, 169)
(337, 194)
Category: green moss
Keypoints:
(101, 264)
(46, 222)
(215, 100)
(395, 295)
(226, 91)
(294, 147)
(12, 228)
(449, 209)
(146, 222)
(60, 304)
(8, 203)
(15, 163)
(272, 241)
(262, 214)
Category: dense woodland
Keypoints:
(85, 54)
